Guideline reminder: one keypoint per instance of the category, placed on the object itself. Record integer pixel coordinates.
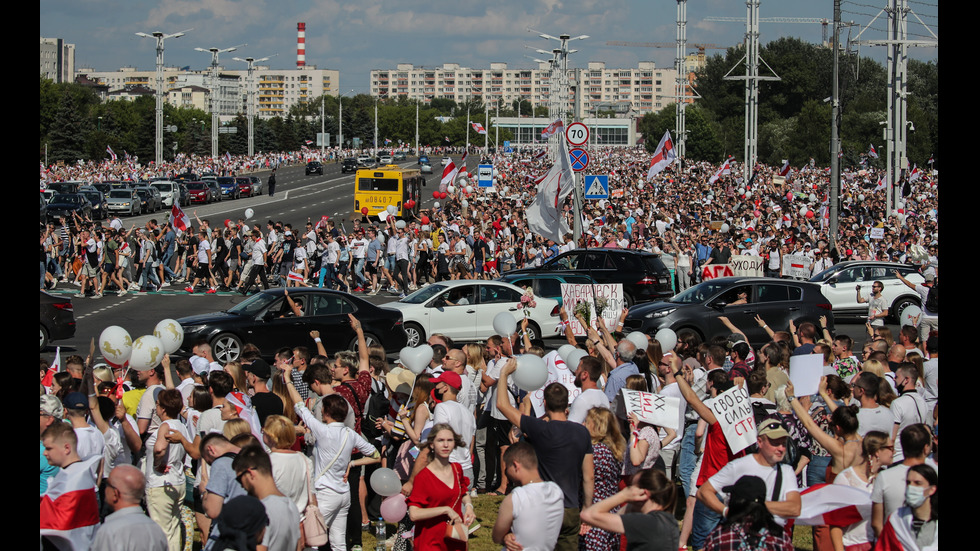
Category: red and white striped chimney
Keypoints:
(300, 45)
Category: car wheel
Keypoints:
(369, 339)
(533, 332)
(628, 299)
(44, 338)
(416, 335)
(900, 305)
(227, 348)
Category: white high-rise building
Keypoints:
(57, 59)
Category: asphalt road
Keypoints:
(298, 198)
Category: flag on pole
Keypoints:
(478, 127)
(295, 276)
(882, 183)
(111, 153)
(556, 126)
(179, 219)
(915, 174)
(387, 141)
(543, 216)
(872, 152)
(931, 160)
(228, 156)
(662, 157)
(309, 142)
(785, 170)
(447, 138)
(725, 169)
(55, 367)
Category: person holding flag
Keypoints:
(543, 215)
(662, 157)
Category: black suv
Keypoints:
(349, 165)
(776, 301)
(643, 275)
(314, 167)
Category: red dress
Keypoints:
(428, 492)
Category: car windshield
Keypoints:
(164, 188)
(92, 196)
(197, 185)
(822, 276)
(423, 294)
(64, 198)
(120, 194)
(253, 305)
(699, 293)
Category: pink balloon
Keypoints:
(393, 508)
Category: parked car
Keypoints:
(244, 186)
(150, 199)
(446, 160)
(838, 283)
(257, 185)
(384, 160)
(314, 167)
(123, 201)
(100, 208)
(64, 204)
(365, 160)
(169, 192)
(546, 285)
(425, 168)
(57, 319)
(265, 319)
(349, 164)
(215, 187)
(399, 156)
(643, 275)
(424, 160)
(776, 301)
(464, 310)
(200, 192)
(229, 188)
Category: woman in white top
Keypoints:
(290, 469)
(335, 443)
(876, 453)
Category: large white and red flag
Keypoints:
(449, 173)
(785, 170)
(897, 534)
(70, 507)
(872, 152)
(882, 183)
(833, 505)
(55, 367)
(543, 215)
(556, 126)
(179, 219)
(662, 157)
(725, 169)
(478, 127)
(112, 154)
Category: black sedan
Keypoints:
(775, 301)
(63, 204)
(57, 319)
(266, 320)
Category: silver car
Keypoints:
(123, 201)
(169, 192)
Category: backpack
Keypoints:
(932, 299)
(375, 407)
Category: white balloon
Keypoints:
(493, 182)
(400, 224)
(416, 359)
(451, 188)
(741, 191)
(148, 351)
(667, 339)
(574, 357)
(803, 210)
(425, 227)
(639, 185)
(171, 333)
(469, 189)
(392, 209)
(813, 197)
(435, 205)
(861, 197)
(116, 344)
(464, 203)
(640, 339)
(531, 372)
(564, 350)
(504, 324)
(724, 228)
(506, 190)
(249, 213)
(385, 482)
(748, 194)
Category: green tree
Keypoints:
(67, 133)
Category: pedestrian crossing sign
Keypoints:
(597, 186)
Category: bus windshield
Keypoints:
(377, 184)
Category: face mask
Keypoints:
(915, 496)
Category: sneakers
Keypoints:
(54, 283)
(212, 291)
(96, 295)
(122, 293)
(189, 289)
(373, 292)
(80, 294)
(401, 295)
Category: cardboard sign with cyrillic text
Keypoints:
(663, 411)
(733, 410)
(575, 293)
(747, 265)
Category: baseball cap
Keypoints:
(260, 368)
(748, 488)
(772, 429)
(450, 378)
(76, 400)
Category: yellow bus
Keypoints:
(377, 188)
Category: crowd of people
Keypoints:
(248, 452)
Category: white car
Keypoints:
(464, 309)
(445, 161)
(838, 283)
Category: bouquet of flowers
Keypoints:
(601, 303)
(582, 309)
(527, 302)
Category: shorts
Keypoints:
(478, 267)
(232, 264)
(88, 270)
(202, 271)
(371, 268)
(490, 266)
(390, 263)
(108, 268)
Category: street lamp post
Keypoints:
(214, 92)
(250, 95)
(340, 119)
(158, 140)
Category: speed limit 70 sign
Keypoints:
(577, 134)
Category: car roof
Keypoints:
(848, 263)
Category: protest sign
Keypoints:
(877, 233)
(746, 266)
(711, 271)
(733, 410)
(558, 371)
(656, 409)
(607, 296)
(796, 265)
(805, 371)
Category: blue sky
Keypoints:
(355, 37)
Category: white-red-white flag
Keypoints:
(295, 276)
(785, 170)
(543, 216)
(882, 183)
(112, 154)
(725, 169)
(833, 505)
(179, 219)
(872, 152)
(556, 126)
(70, 507)
(55, 367)
(478, 127)
(662, 157)
(915, 174)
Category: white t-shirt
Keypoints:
(463, 423)
(859, 532)
(749, 466)
(174, 458)
(889, 487)
(202, 251)
(538, 511)
(908, 409)
(588, 399)
(879, 418)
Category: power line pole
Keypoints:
(158, 138)
(250, 99)
(680, 108)
(214, 93)
(835, 128)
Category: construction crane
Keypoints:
(825, 23)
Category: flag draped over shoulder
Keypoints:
(543, 215)
(70, 508)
